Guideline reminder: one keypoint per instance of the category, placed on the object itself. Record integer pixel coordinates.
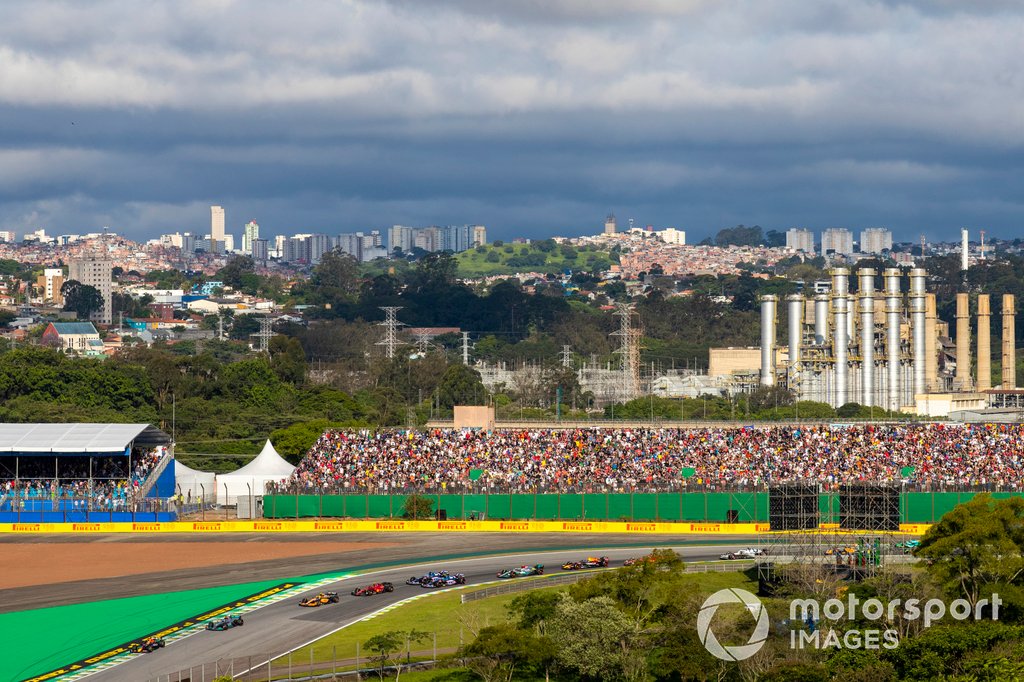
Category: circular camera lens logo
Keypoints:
(707, 612)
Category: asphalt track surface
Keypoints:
(409, 547)
(278, 628)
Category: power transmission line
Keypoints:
(391, 325)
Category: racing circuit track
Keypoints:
(278, 628)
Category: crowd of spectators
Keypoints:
(79, 483)
(921, 456)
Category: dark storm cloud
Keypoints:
(530, 117)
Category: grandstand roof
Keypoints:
(75, 438)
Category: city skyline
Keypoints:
(534, 119)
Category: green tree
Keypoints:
(288, 360)
(81, 299)
(387, 649)
(418, 507)
(500, 651)
(460, 385)
(595, 639)
(336, 279)
(233, 274)
(976, 545)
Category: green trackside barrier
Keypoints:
(739, 507)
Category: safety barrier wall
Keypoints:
(403, 525)
(739, 507)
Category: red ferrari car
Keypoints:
(376, 588)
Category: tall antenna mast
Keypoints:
(465, 348)
(567, 356)
(391, 325)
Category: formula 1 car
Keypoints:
(750, 552)
(443, 581)
(908, 546)
(729, 556)
(320, 599)
(225, 623)
(147, 645)
(430, 577)
(522, 571)
(375, 588)
(589, 562)
(841, 551)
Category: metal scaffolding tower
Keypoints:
(465, 348)
(629, 349)
(391, 325)
(567, 356)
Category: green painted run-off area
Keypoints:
(40, 640)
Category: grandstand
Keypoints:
(85, 472)
(925, 457)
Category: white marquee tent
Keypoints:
(191, 483)
(268, 466)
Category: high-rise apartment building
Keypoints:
(97, 273)
(875, 240)
(671, 235)
(259, 250)
(609, 224)
(400, 237)
(798, 239)
(7, 236)
(479, 235)
(216, 229)
(49, 284)
(250, 233)
(838, 240)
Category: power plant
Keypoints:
(880, 346)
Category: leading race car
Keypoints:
(147, 645)
(320, 599)
(226, 623)
(522, 571)
(589, 562)
(375, 588)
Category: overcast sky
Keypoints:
(533, 117)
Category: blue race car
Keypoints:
(444, 581)
(225, 623)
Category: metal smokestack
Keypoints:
(796, 327)
(768, 304)
(964, 244)
(820, 319)
(983, 381)
(962, 381)
(1009, 343)
(931, 335)
(867, 335)
(917, 295)
(840, 340)
(892, 336)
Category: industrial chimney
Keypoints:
(931, 337)
(962, 380)
(820, 319)
(1009, 343)
(867, 335)
(917, 332)
(963, 248)
(984, 378)
(768, 306)
(892, 336)
(796, 326)
(840, 338)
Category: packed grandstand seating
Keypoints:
(921, 456)
(77, 483)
